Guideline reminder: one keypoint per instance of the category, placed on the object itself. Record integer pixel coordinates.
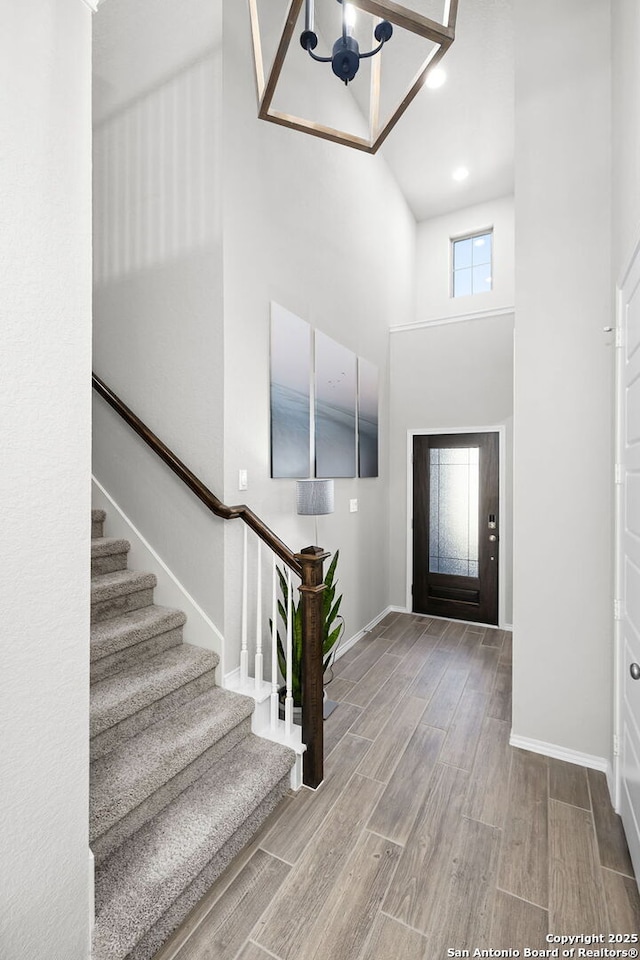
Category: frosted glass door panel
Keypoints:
(454, 485)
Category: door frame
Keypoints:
(618, 548)
(501, 430)
(619, 507)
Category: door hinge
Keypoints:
(616, 745)
(619, 473)
(619, 336)
(617, 609)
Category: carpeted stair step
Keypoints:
(148, 946)
(133, 783)
(108, 554)
(146, 692)
(121, 641)
(97, 521)
(149, 877)
(113, 594)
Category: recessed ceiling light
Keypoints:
(460, 173)
(435, 78)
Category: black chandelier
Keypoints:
(345, 57)
(389, 95)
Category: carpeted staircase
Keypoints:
(179, 784)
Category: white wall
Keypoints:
(626, 130)
(452, 375)
(563, 384)
(158, 271)
(45, 244)
(433, 261)
(324, 231)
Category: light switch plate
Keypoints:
(242, 480)
(353, 506)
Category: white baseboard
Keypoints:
(199, 628)
(342, 649)
(564, 753)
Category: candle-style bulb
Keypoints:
(309, 15)
(349, 14)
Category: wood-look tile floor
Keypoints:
(430, 833)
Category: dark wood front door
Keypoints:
(456, 526)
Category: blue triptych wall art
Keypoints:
(324, 404)
(290, 394)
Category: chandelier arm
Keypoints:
(372, 53)
(319, 59)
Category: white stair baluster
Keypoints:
(259, 667)
(244, 652)
(274, 649)
(288, 703)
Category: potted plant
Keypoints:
(333, 627)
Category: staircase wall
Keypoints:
(182, 318)
(158, 272)
(45, 243)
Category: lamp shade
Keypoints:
(314, 497)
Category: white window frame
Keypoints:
(469, 236)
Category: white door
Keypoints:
(628, 565)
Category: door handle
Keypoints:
(634, 670)
(493, 538)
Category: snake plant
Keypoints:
(333, 626)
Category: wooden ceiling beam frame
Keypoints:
(442, 35)
(417, 84)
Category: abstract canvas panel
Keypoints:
(367, 419)
(290, 394)
(335, 409)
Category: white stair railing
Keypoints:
(273, 716)
(253, 593)
(258, 661)
(288, 701)
(244, 651)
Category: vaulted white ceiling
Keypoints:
(467, 122)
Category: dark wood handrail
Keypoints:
(189, 478)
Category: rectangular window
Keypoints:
(472, 259)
